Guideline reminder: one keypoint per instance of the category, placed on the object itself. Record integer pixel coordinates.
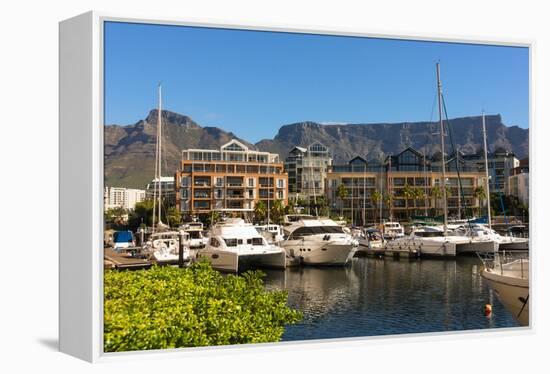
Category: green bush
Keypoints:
(168, 307)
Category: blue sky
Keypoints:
(252, 82)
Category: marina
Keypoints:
(381, 296)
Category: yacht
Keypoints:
(234, 245)
(504, 242)
(271, 232)
(319, 241)
(369, 240)
(195, 231)
(425, 240)
(163, 247)
(508, 276)
(392, 230)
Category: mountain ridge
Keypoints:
(130, 149)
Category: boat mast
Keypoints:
(425, 184)
(364, 193)
(268, 190)
(155, 178)
(442, 134)
(487, 194)
(159, 136)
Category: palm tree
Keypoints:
(277, 211)
(418, 194)
(437, 193)
(375, 197)
(388, 199)
(408, 193)
(260, 211)
(342, 193)
(480, 194)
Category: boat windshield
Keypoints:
(316, 230)
(428, 234)
(195, 234)
(232, 242)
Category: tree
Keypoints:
(260, 211)
(173, 216)
(142, 213)
(375, 198)
(479, 194)
(388, 199)
(116, 215)
(290, 208)
(437, 193)
(418, 194)
(342, 193)
(320, 206)
(408, 193)
(277, 211)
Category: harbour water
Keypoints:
(385, 297)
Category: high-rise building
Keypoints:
(307, 169)
(229, 180)
(120, 197)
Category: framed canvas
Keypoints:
(237, 186)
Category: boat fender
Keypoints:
(488, 309)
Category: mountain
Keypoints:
(130, 150)
(372, 140)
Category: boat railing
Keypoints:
(501, 262)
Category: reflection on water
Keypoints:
(381, 297)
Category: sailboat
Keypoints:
(435, 241)
(163, 244)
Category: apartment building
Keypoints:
(500, 162)
(307, 168)
(518, 182)
(229, 180)
(120, 197)
(396, 177)
(167, 189)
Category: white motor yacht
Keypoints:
(272, 233)
(425, 240)
(504, 242)
(370, 239)
(163, 247)
(234, 245)
(508, 276)
(392, 230)
(195, 231)
(319, 241)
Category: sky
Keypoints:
(253, 82)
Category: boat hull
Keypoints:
(514, 245)
(314, 253)
(233, 262)
(474, 246)
(512, 292)
(424, 247)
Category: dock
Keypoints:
(115, 260)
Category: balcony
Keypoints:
(202, 183)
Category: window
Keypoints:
(230, 242)
(219, 182)
(280, 195)
(280, 183)
(255, 241)
(250, 182)
(214, 242)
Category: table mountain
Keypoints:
(130, 150)
(372, 140)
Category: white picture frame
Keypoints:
(81, 181)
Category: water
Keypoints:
(386, 296)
